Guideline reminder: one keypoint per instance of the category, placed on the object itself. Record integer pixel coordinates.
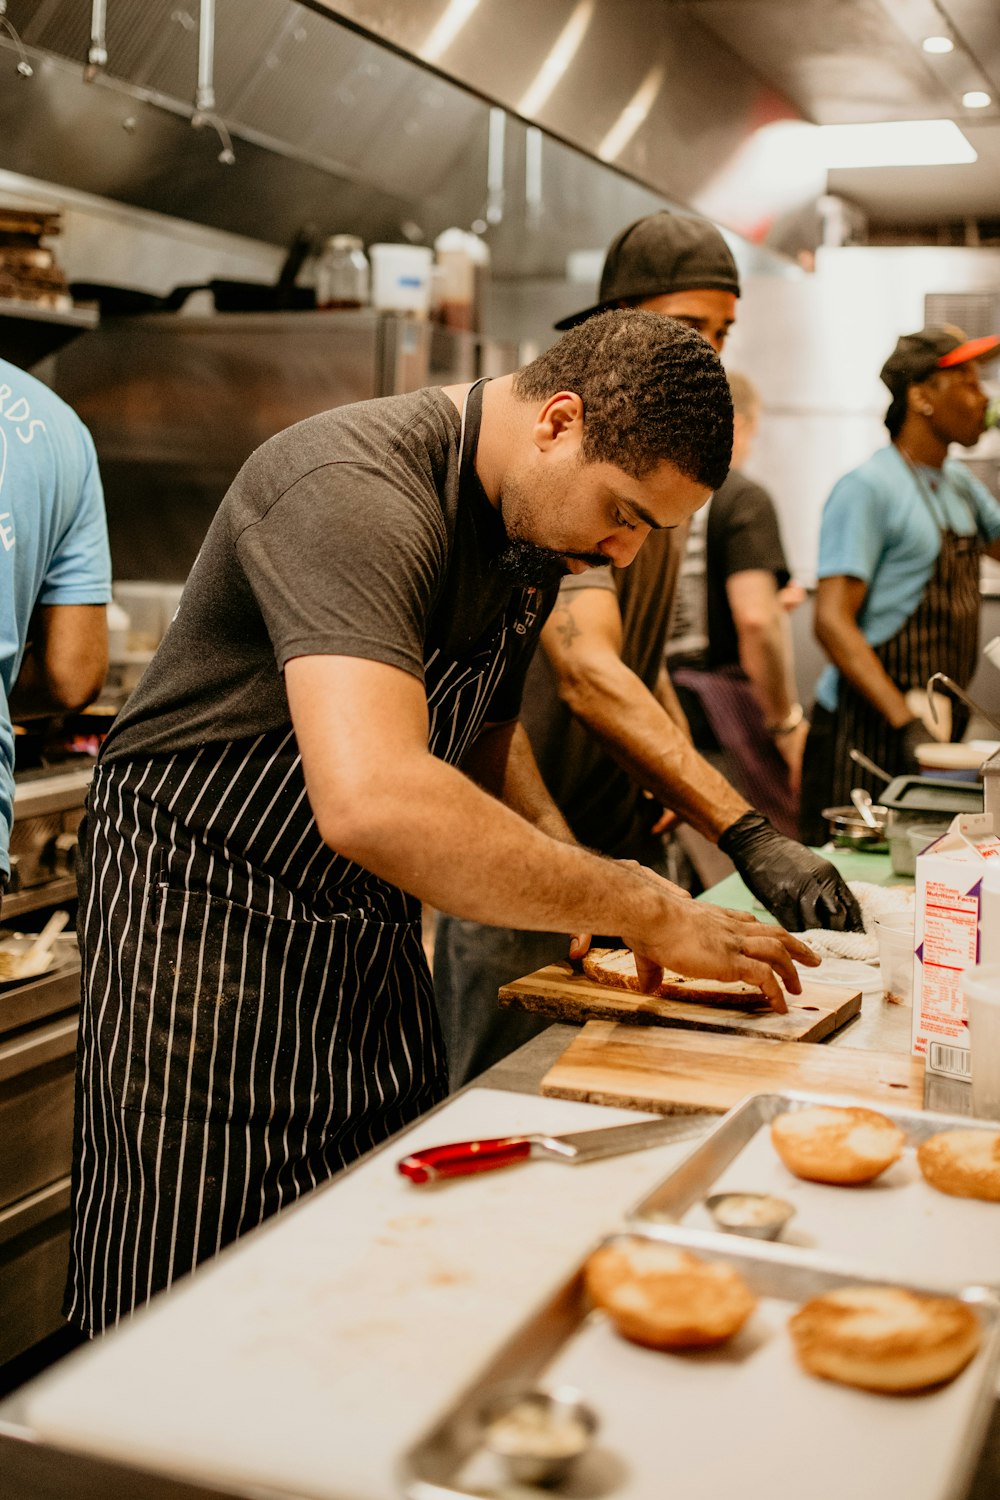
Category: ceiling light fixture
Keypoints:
(894, 143)
(938, 44)
(976, 99)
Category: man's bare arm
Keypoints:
(503, 763)
(380, 798)
(583, 641)
(66, 661)
(838, 604)
(765, 648)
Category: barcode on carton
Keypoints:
(950, 1060)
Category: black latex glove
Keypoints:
(797, 886)
(908, 738)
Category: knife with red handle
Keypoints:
(462, 1158)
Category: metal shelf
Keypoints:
(28, 333)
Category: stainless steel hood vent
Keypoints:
(288, 82)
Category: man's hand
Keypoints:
(708, 942)
(797, 886)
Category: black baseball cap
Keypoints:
(918, 355)
(661, 253)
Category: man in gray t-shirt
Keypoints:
(598, 707)
(326, 738)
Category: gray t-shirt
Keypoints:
(348, 534)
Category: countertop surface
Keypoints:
(310, 1355)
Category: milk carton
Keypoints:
(948, 938)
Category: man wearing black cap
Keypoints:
(898, 595)
(597, 704)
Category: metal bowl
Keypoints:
(537, 1435)
(848, 829)
(759, 1215)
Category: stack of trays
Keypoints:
(745, 1417)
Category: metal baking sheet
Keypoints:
(741, 1419)
(898, 1224)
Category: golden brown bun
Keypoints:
(616, 967)
(964, 1163)
(837, 1145)
(667, 1298)
(883, 1338)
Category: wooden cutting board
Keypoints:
(562, 995)
(671, 1071)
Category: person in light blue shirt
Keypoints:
(55, 568)
(898, 595)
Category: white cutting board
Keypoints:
(317, 1349)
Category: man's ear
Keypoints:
(918, 401)
(560, 420)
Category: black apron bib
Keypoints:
(942, 635)
(257, 1010)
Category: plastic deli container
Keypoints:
(894, 934)
(401, 278)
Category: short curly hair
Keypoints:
(652, 390)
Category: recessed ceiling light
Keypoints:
(976, 99)
(938, 44)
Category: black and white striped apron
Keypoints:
(942, 635)
(257, 1010)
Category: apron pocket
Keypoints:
(228, 1001)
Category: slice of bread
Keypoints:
(964, 1163)
(835, 1144)
(667, 1298)
(884, 1338)
(615, 967)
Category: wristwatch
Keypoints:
(791, 721)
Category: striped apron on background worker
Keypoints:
(942, 635)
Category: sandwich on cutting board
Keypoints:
(615, 967)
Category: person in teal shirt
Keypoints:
(898, 595)
(55, 568)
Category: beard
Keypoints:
(539, 567)
(526, 562)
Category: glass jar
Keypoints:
(342, 273)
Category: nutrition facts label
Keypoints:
(950, 942)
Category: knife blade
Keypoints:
(462, 1158)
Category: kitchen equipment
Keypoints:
(537, 1435)
(562, 995)
(900, 1226)
(927, 800)
(36, 959)
(462, 1158)
(127, 301)
(760, 1216)
(953, 687)
(672, 1071)
(869, 765)
(742, 1419)
(849, 830)
(954, 761)
(863, 802)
